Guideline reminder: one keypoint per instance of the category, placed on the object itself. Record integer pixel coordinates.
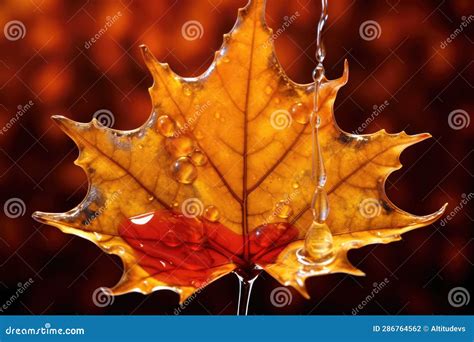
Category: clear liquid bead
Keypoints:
(318, 246)
(299, 112)
(212, 214)
(166, 126)
(184, 171)
(320, 206)
(318, 74)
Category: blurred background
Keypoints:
(413, 57)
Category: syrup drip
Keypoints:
(318, 247)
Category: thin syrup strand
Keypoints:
(320, 203)
(318, 246)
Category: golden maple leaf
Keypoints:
(234, 145)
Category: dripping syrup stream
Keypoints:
(318, 247)
(246, 282)
(318, 170)
(319, 202)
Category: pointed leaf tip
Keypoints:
(255, 6)
(424, 136)
(440, 212)
(302, 291)
(58, 118)
(345, 75)
(144, 49)
(43, 217)
(62, 121)
(150, 60)
(38, 216)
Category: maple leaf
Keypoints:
(219, 177)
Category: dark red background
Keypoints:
(405, 66)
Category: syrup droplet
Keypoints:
(226, 59)
(320, 205)
(198, 158)
(296, 186)
(212, 213)
(266, 236)
(318, 73)
(300, 113)
(180, 147)
(262, 238)
(217, 115)
(166, 126)
(184, 171)
(283, 209)
(318, 244)
(268, 90)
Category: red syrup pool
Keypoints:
(185, 251)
